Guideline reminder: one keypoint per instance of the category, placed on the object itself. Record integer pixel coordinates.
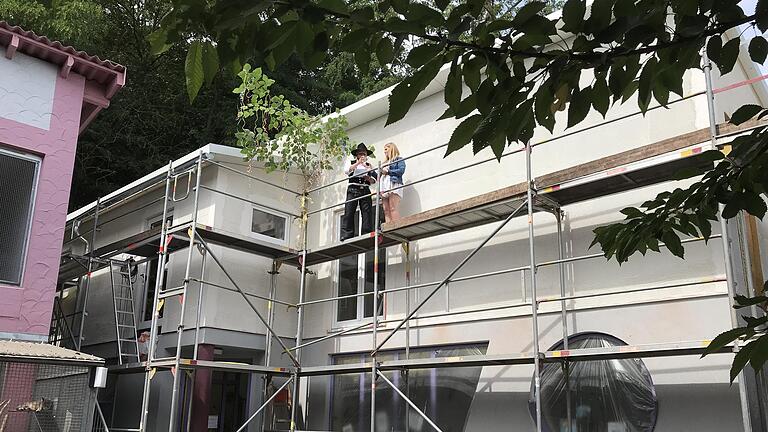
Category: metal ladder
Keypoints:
(60, 334)
(125, 316)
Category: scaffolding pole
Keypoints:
(91, 249)
(534, 296)
(377, 237)
(299, 311)
(267, 379)
(564, 317)
(162, 255)
(200, 294)
(177, 375)
(730, 282)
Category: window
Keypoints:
(605, 395)
(269, 224)
(444, 394)
(150, 276)
(18, 177)
(355, 276)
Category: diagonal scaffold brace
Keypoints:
(450, 275)
(247, 300)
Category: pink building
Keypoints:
(48, 94)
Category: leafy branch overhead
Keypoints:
(505, 76)
(286, 138)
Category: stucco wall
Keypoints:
(39, 114)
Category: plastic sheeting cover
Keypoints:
(604, 395)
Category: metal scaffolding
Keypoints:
(530, 198)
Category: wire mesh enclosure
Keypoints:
(36, 397)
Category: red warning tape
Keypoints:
(740, 84)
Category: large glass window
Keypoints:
(355, 276)
(269, 224)
(444, 394)
(614, 395)
(18, 180)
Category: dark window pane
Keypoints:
(18, 177)
(347, 308)
(444, 394)
(369, 275)
(268, 224)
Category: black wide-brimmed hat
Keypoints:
(361, 147)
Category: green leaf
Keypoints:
(471, 70)
(712, 155)
(632, 212)
(405, 94)
(210, 62)
(745, 113)
(759, 354)
(672, 241)
(337, 6)
(498, 25)
(732, 208)
(423, 54)
(754, 204)
(158, 41)
(579, 106)
(452, 91)
(744, 301)
(723, 339)
(742, 357)
(728, 56)
(758, 49)
(442, 4)
(601, 96)
(193, 69)
(573, 15)
(714, 48)
(527, 12)
(385, 52)
(463, 133)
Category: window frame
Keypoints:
(360, 300)
(38, 161)
(273, 212)
(146, 276)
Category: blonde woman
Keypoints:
(394, 169)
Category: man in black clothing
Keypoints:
(361, 175)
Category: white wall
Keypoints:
(27, 89)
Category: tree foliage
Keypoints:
(151, 120)
(512, 72)
(285, 137)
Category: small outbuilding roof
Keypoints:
(19, 351)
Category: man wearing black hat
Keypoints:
(361, 175)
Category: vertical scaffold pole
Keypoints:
(406, 372)
(200, 295)
(376, 238)
(267, 379)
(534, 297)
(300, 309)
(161, 259)
(91, 251)
(564, 315)
(178, 375)
(729, 278)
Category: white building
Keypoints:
(663, 308)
